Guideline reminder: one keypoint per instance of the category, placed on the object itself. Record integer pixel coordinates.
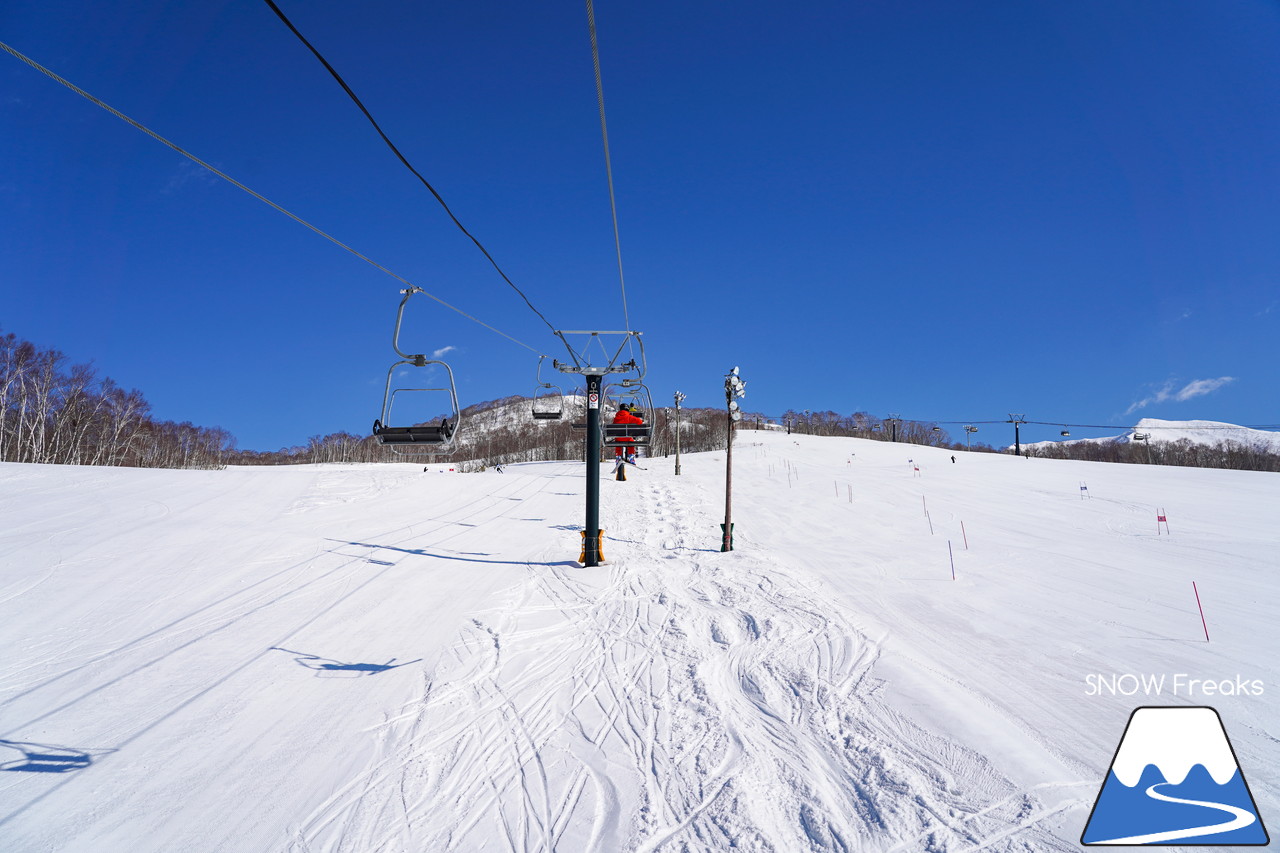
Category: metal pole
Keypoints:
(679, 398)
(726, 543)
(1017, 421)
(590, 547)
(734, 387)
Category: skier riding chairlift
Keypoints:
(628, 414)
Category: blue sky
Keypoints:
(946, 210)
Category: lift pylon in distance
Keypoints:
(406, 430)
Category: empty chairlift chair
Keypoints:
(417, 437)
(548, 399)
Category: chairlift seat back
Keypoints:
(627, 434)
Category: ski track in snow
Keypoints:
(106, 677)
(188, 646)
(677, 700)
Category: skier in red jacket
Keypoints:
(629, 415)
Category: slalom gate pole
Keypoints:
(1204, 624)
(965, 535)
(930, 520)
(952, 555)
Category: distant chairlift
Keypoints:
(548, 399)
(418, 439)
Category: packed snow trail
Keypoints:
(676, 699)
(188, 646)
(382, 658)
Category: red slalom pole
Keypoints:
(1201, 606)
(965, 535)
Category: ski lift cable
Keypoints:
(81, 92)
(608, 163)
(407, 164)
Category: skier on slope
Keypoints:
(629, 415)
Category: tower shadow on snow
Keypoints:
(463, 556)
(45, 758)
(329, 668)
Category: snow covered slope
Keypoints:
(378, 658)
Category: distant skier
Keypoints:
(953, 460)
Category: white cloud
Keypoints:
(1193, 389)
(441, 352)
(1200, 387)
(188, 174)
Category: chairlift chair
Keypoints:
(1065, 431)
(548, 398)
(416, 439)
(630, 435)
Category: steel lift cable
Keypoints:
(193, 158)
(403, 159)
(608, 163)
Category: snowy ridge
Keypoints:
(1174, 742)
(1206, 432)
(1197, 432)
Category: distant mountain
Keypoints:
(1206, 433)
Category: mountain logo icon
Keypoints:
(1175, 780)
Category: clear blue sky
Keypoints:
(948, 210)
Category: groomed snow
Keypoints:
(378, 658)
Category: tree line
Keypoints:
(52, 411)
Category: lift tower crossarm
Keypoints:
(613, 365)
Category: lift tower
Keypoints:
(593, 374)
